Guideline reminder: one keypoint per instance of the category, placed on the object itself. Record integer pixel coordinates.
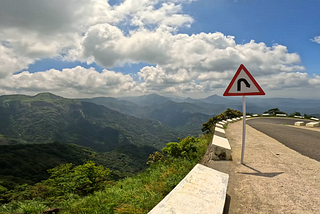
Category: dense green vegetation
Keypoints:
(208, 127)
(88, 188)
(28, 163)
(46, 118)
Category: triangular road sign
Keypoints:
(242, 84)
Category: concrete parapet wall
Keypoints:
(219, 125)
(217, 129)
(281, 115)
(221, 148)
(202, 191)
(299, 123)
(313, 124)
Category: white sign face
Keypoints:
(243, 84)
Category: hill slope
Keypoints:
(46, 118)
(28, 163)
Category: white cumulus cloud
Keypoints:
(75, 82)
(132, 31)
(316, 39)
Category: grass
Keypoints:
(133, 195)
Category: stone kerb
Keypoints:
(219, 125)
(299, 123)
(218, 129)
(223, 123)
(313, 124)
(202, 191)
(220, 145)
(229, 121)
(281, 115)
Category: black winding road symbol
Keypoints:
(239, 84)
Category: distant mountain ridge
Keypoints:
(45, 118)
(183, 113)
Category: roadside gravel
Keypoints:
(273, 179)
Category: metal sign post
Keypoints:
(243, 84)
(244, 127)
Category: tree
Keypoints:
(208, 127)
(186, 148)
(82, 180)
(274, 111)
(295, 114)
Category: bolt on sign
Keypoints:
(243, 84)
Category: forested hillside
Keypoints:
(88, 188)
(46, 118)
(28, 163)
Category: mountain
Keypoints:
(147, 100)
(288, 105)
(46, 118)
(28, 163)
(122, 106)
(181, 116)
(215, 99)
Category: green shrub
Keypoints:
(86, 189)
(186, 148)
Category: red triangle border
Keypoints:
(242, 67)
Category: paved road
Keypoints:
(306, 142)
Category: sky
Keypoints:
(188, 48)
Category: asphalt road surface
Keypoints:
(306, 142)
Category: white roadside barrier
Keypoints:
(313, 124)
(218, 129)
(265, 114)
(298, 116)
(229, 120)
(202, 191)
(281, 115)
(299, 123)
(314, 118)
(219, 125)
(255, 115)
(221, 148)
(248, 116)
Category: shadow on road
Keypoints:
(227, 204)
(259, 173)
